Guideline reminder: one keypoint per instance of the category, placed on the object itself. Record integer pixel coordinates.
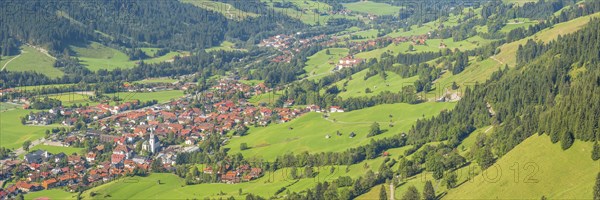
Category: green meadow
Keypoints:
(517, 23)
(368, 34)
(26, 88)
(51, 194)
(533, 169)
(59, 149)
(476, 72)
(508, 51)
(160, 96)
(224, 46)
(225, 9)
(518, 2)
(173, 187)
(466, 145)
(306, 132)
(373, 8)
(430, 45)
(158, 80)
(357, 86)
(425, 28)
(268, 97)
(8, 106)
(320, 64)
(96, 56)
(68, 99)
(31, 59)
(13, 133)
(306, 12)
(419, 180)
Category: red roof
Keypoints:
(117, 158)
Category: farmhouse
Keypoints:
(335, 109)
(348, 61)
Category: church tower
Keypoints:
(153, 142)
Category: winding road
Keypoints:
(5, 64)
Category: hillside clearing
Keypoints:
(31, 59)
(306, 132)
(508, 51)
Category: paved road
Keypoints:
(20, 151)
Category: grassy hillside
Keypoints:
(508, 51)
(158, 80)
(31, 59)
(476, 72)
(373, 8)
(97, 56)
(534, 168)
(51, 194)
(306, 11)
(225, 46)
(318, 65)
(431, 45)
(306, 133)
(172, 186)
(357, 86)
(225, 9)
(517, 23)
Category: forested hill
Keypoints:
(554, 90)
(165, 23)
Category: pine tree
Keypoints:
(596, 151)
(566, 141)
(554, 136)
(382, 193)
(411, 194)
(428, 191)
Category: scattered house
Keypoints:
(38, 156)
(208, 170)
(335, 109)
(49, 183)
(313, 108)
(352, 135)
(348, 61)
(230, 177)
(90, 157)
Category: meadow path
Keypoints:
(5, 64)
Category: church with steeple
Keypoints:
(152, 144)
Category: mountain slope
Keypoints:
(534, 168)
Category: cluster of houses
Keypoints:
(69, 116)
(129, 139)
(289, 44)
(41, 170)
(360, 46)
(227, 174)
